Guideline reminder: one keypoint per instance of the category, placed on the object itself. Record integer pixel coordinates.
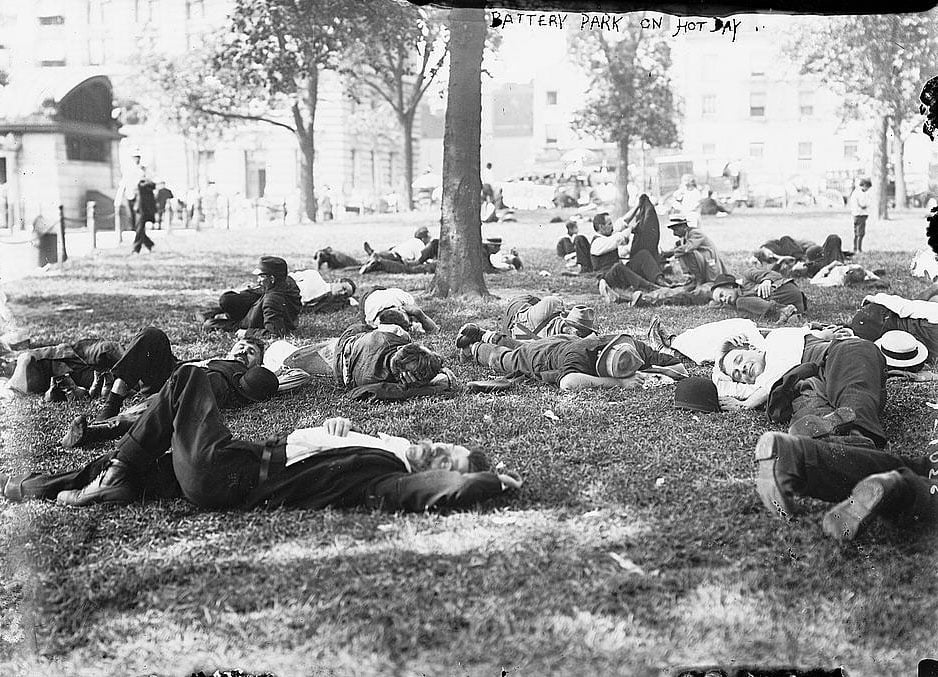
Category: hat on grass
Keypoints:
(696, 393)
(677, 221)
(902, 350)
(581, 317)
(619, 358)
(258, 384)
(271, 265)
(870, 321)
(724, 280)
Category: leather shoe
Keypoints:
(76, 433)
(770, 479)
(112, 486)
(822, 426)
(844, 521)
(468, 334)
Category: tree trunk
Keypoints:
(307, 139)
(898, 163)
(880, 177)
(461, 264)
(622, 178)
(407, 124)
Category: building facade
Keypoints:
(359, 154)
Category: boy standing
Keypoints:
(860, 208)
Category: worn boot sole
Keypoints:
(81, 498)
(773, 498)
(844, 521)
(821, 426)
(76, 433)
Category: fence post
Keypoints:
(257, 223)
(63, 254)
(284, 212)
(92, 226)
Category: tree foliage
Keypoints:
(878, 63)
(630, 96)
(405, 50)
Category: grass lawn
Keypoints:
(528, 585)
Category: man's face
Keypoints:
(725, 295)
(265, 280)
(450, 457)
(744, 365)
(341, 288)
(864, 187)
(246, 353)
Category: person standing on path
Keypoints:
(860, 208)
(145, 212)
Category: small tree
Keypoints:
(404, 52)
(878, 63)
(630, 95)
(275, 49)
(460, 271)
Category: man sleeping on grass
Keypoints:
(326, 466)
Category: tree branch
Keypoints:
(240, 116)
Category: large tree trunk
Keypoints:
(407, 124)
(622, 178)
(880, 177)
(898, 163)
(460, 268)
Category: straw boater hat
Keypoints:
(677, 221)
(902, 350)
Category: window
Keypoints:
(195, 9)
(708, 104)
(56, 20)
(757, 105)
(757, 150)
(255, 174)
(551, 98)
(806, 104)
(709, 149)
(804, 150)
(551, 134)
(87, 149)
(851, 150)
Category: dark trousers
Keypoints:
(431, 251)
(691, 295)
(859, 230)
(757, 307)
(853, 374)
(645, 264)
(581, 245)
(818, 257)
(622, 276)
(829, 471)
(397, 266)
(334, 260)
(213, 469)
(141, 239)
(148, 359)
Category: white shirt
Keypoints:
(410, 250)
(312, 285)
(487, 176)
(602, 244)
(381, 300)
(860, 202)
(783, 349)
(306, 442)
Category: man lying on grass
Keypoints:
(394, 306)
(236, 378)
(530, 317)
(825, 382)
(573, 363)
(383, 362)
(312, 468)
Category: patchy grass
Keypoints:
(528, 584)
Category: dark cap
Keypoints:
(258, 384)
(696, 393)
(422, 232)
(870, 321)
(271, 265)
(724, 280)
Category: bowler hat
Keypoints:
(258, 384)
(271, 265)
(619, 358)
(724, 280)
(870, 321)
(677, 221)
(902, 350)
(696, 393)
(582, 317)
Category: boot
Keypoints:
(81, 433)
(72, 391)
(111, 408)
(868, 498)
(113, 485)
